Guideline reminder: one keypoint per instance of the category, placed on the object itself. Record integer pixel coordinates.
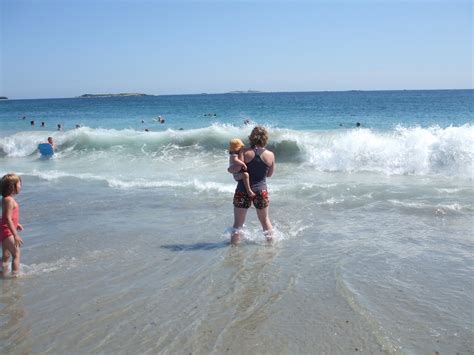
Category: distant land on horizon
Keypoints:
(112, 95)
(229, 92)
(245, 92)
(125, 94)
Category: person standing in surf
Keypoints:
(260, 165)
(10, 185)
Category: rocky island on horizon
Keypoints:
(245, 92)
(112, 95)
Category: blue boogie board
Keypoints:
(46, 149)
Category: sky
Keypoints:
(68, 48)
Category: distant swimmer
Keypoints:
(78, 126)
(357, 124)
(32, 123)
(181, 129)
(143, 121)
(247, 122)
(59, 126)
(23, 118)
(147, 130)
(51, 142)
(42, 124)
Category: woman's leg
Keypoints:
(239, 219)
(264, 219)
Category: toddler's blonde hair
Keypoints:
(235, 145)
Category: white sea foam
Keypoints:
(41, 268)
(253, 234)
(66, 263)
(194, 184)
(449, 190)
(404, 150)
(453, 207)
(419, 151)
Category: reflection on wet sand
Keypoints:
(14, 329)
(253, 292)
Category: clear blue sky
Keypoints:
(68, 48)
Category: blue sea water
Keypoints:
(382, 110)
(373, 225)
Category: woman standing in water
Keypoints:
(260, 165)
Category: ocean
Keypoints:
(127, 230)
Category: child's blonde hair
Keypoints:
(8, 184)
(235, 145)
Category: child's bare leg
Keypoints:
(10, 247)
(246, 180)
(5, 261)
(16, 261)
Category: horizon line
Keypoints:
(235, 92)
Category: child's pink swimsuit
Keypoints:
(4, 230)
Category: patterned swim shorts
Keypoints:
(242, 200)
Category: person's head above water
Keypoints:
(259, 136)
(235, 145)
(50, 140)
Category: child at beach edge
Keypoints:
(236, 157)
(10, 185)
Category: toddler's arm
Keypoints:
(240, 162)
(236, 165)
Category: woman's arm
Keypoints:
(272, 165)
(270, 171)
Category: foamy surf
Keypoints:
(251, 234)
(405, 150)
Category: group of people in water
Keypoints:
(159, 119)
(59, 126)
(250, 167)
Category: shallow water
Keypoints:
(126, 270)
(127, 247)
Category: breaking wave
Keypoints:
(404, 150)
